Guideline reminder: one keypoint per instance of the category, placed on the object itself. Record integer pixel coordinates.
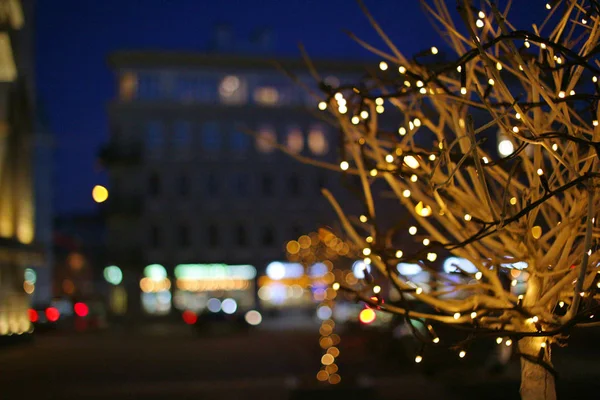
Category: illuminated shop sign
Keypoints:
(212, 272)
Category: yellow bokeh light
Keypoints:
(99, 194)
(322, 376)
(536, 232)
(327, 359)
(335, 379)
(292, 247)
(334, 351)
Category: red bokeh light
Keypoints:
(367, 316)
(81, 309)
(52, 314)
(189, 317)
(33, 315)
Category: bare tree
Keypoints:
(534, 205)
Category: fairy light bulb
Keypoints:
(383, 66)
(431, 257)
(355, 120)
(548, 6)
(423, 91)
(467, 217)
(406, 193)
(373, 172)
(499, 340)
(418, 359)
(543, 345)
(411, 161)
(473, 315)
(364, 114)
(485, 160)
(515, 129)
(463, 90)
(402, 131)
(478, 275)
(536, 232)
(379, 109)
(379, 101)
(417, 122)
(561, 94)
(535, 319)
(462, 354)
(481, 14)
(412, 230)
(366, 251)
(322, 105)
(434, 50)
(344, 165)
(513, 200)
(419, 83)
(413, 178)
(389, 158)
(540, 171)
(572, 93)
(508, 342)
(479, 23)
(376, 289)
(491, 82)
(499, 66)
(401, 69)
(342, 109)
(436, 340)
(411, 125)
(513, 283)
(336, 286)
(399, 254)
(459, 68)
(456, 315)
(518, 116)
(363, 218)
(369, 239)
(594, 79)
(595, 122)
(426, 242)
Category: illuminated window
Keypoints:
(213, 236)
(232, 90)
(155, 237)
(184, 236)
(241, 236)
(295, 140)
(268, 236)
(266, 95)
(127, 86)
(266, 140)
(294, 185)
(317, 142)
(267, 185)
(154, 184)
(211, 138)
(155, 139)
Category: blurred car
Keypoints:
(44, 318)
(220, 322)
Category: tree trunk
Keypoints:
(536, 382)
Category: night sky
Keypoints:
(74, 37)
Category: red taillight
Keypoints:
(52, 314)
(81, 309)
(189, 317)
(33, 315)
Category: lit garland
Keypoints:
(537, 204)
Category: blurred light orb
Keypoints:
(358, 269)
(189, 317)
(213, 305)
(113, 275)
(367, 316)
(276, 270)
(99, 194)
(505, 147)
(229, 306)
(324, 312)
(253, 317)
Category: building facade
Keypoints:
(189, 184)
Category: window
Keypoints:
(239, 141)
(241, 184)
(195, 88)
(267, 185)
(183, 184)
(182, 137)
(154, 184)
(149, 85)
(155, 138)
(184, 236)
(241, 236)
(294, 185)
(266, 95)
(295, 140)
(128, 86)
(213, 236)
(211, 139)
(317, 142)
(155, 237)
(232, 90)
(268, 236)
(266, 140)
(212, 184)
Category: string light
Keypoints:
(478, 275)
(543, 345)
(481, 14)
(364, 114)
(344, 165)
(423, 91)
(498, 66)
(418, 359)
(554, 147)
(363, 218)
(369, 239)
(413, 178)
(436, 340)
(526, 45)
(373, 172)
(426, 242)
(366, 251)
(540, 171)
(367, 260)
(411, 161)
(594, 79)
(389, 158)
(498, 340)
(548, 6)
(336, 286)
(513, 200)
(401, 69)
(379, 101)
(536, 232)
(518, 116)
(379, 109)
(508, 342)
(462, 354)
(431, 257)
(535, 319)
(376, 289)
(515, 129)
(419, 290)
(355, 120)
(407, 83)
(583, 21)
(572, 93)
(595, 122)
(561, 94)
(417, 122)
(473, 315)
(434, 50)
(467, 217)
(322, 105)
(463, 90)
(419, 83)
(402, 131)
(399, 254)
(479, 23)
(491, 82)
(342, 109)
(412, 230)
(383, 66)
(411, 125)
(406, 193)
(456, 315)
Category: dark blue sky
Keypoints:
(74, 37)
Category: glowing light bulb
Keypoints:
(518, 116)
(364, 114)
(561, 304)
(535, 319)
(456, 315)
(462, 354)
(379, 109)
(413, 178)
(499, 66)
(344, 165)
(376, 289)
(407, 83)
(595, 122)
(379, 101)
(355, 120)
(478, 275)
(366, 251)
(491, 82)
(389, 158)
(436, 340)
(406, 193)
(473, 314)
(479, 23)
(572, 93)
(561, 94)
(485, 160)
(426, 242)
(505, 147)
(363, 218)
(515, 129)
(481, 14)
(540, 171)
(536, 232)
(418, 359)
(402, 131)
(373, 172)
(369, 239)
(431, 256)
(594, 79)
(322, 106)
(383, 66)
(498, 340)
(412, 230)
(467, 217)
(463, 90)
(543, 345)
(508, 342)
(548, 6)
(411, 125)
(434, 50)
(423, 91)
(543, 46)
(401, 69)
(513, 200)
(417, 122)
(419, 83)
(99, 194)
(399, 254)
(411, 161)
(367, 260)
(336, 286)
(459, 68)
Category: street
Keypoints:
(170, 362)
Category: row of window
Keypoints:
(240, 184)
(262, 89)
(241, 235)
(213, 138)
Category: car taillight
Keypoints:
(52, 314)
(33, 315)
(81, 309)
(189, 317)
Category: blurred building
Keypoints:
(188, 184)
(25, 239)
